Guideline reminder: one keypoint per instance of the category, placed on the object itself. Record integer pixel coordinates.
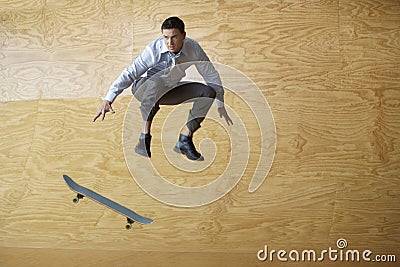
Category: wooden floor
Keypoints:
(330, 71)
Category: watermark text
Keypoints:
(338, 253)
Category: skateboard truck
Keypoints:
(77, 198)
(129, 223)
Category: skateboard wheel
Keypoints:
(77, 198)
(129, 223)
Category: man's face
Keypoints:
(173, 39)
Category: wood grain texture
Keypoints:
(329, 70)
(48, 50)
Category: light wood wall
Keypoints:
(329, 69)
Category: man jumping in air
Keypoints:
(156, 79)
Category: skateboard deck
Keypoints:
(81, 191)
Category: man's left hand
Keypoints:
(222, 113)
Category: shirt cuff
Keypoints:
(110, 96)
(220, 101)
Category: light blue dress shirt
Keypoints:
(156, 54)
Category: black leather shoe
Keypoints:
(185, 146)
(143, 147)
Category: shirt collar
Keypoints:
(183, 50)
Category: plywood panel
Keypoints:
(49, 50)
(329, 70)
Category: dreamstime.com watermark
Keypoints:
(339, 253)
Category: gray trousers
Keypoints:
(152, 92)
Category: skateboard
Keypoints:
(81, 191)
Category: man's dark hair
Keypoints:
(173, 23)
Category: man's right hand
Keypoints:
(102, 110)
